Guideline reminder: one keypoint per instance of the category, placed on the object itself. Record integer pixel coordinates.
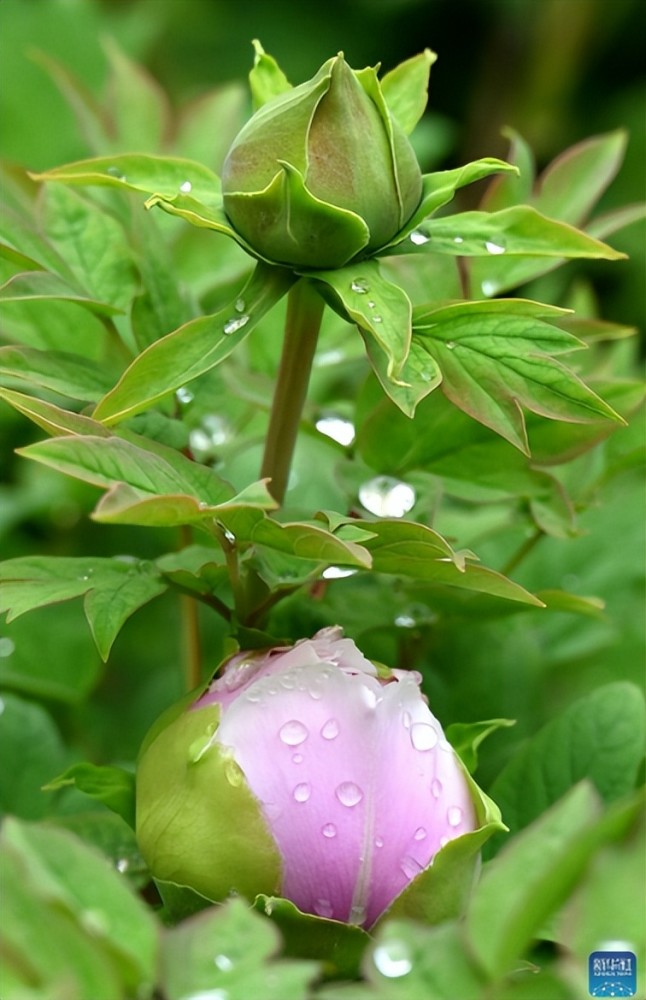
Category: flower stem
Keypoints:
(304, 314)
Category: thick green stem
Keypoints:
(304, 313)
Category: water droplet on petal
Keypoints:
(348, 794)
(494, 248)
(410, 867)
(360, 286)
(223, 963)
(392, 959)
(423, 736)
(386, 496)
(330, 730)
(186, 187)
(419, 238)
(324, 908)
(379, 841)
(329, 831)
(235, 323)
(454, 816)
(254, 696)
(436, 788)
(302, 792)
(297, 758)
(407, 720)
(293, 733)
(420, 833)
(357, 915)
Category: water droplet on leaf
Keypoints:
(337, 428)
(419, 238)
(458, 239)
(337, 572)
(494, 248)
(186, 187)
(235, 323)
(450, 345)
(386, 496)
(360, 286)
(184, 395)
(392, 959)
(223, 963)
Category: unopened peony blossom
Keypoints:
(303, 772)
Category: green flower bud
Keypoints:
(322, 173)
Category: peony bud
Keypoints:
(324, 782)
(322, 172)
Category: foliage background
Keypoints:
(556, 70)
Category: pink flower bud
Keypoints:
(353, 775)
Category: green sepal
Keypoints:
(295, 222)
(405, 89)
(198, 824)
(266, 79)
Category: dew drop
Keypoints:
(420, 833)
(360, 286)
(324, 908)
(293, 733)
(458, 239)
(348, 794)
(337, 428)
(489, 288)
(450, 345)
(84, 576)
(337, 572)
(330, 730)
(357, 915)
(239, 306)
(115, 172)
(405, 621)
(302, 792)
(392, 959)
(186, 187)
(122, 865)
(230, 537)
(329, 831)
(423, 736)
(379, 841)
(235, 323)
(454, 816)
(233, 773)
(494, 248)
(297, 758)
(386, 496)
(444, 841)
(418, 238)
(371, 303)
(426, 375)
(254, 696)
(377, 318)
(406, 719)
(436, 788)
(223, 963)
(184, 396)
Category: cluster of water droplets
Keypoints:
(385, 496)
(361, 286)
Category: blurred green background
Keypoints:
(557, 71)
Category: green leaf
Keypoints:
(195, 348)
(93, 244)
(419, 375)
(91, 118)
(531, 878)
(438, 190)
(404, 548)
(24, 243)
(495, 359)
(573, 183)
(27, 735)
(67, 374)
(405, 89)
(518, 231)
(138, 107)
(381, 309)
(51, 418)
(466, 737)
(196, 567)
(600, 737)
(242, 967)
(112, 786)
(266, 79)
(512, 189)
(340, 946)
(41, 285)
(101, 940)
(113, 588)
